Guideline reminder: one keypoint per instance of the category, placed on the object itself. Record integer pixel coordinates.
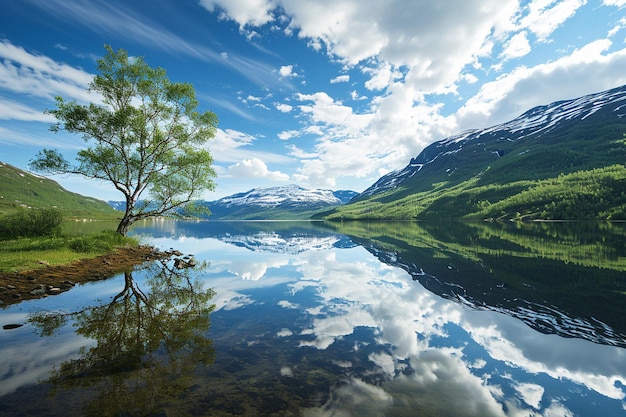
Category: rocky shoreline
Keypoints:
(51, 280)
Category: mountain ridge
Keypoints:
(567, 137)
(24, 189)
(287, 202)
(272, 203)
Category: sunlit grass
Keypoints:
(31, 253)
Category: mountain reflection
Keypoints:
(277, 237)
(440, 320)
(148, 341)
(566, 279)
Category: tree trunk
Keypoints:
(125, 223)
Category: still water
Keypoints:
(317, 319)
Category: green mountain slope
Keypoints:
(560, 161)
(20, 188)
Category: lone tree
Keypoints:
(145, 136)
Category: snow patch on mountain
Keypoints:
(536, 121)
(268, 197)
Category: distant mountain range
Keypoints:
(564, 160)
(271, 203)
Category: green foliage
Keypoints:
(145, 136)
(590, 194)
(30, 223)
(593, 194)
(101, 242)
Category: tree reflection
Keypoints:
(147, 344)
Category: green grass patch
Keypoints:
(28, 253)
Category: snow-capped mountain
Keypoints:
(292, 195)
(522, 140)
(287, 202)
(267, 203)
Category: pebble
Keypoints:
(40, 290)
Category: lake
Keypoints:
(335, 319)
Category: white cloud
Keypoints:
(231, 145)
(340, 79)
(568, 77)
(287, 134)
(244, 12)
(14, 110)
(381, 76)
(621, 24)
(283, 108)
(255, 168)
(434, 41)
(22, 72)
(286, 71)
(618, 3)
(409, 51)
(517, 46)
(545, 16)
(355, 96)
(15, 137)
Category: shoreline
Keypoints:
(16, 287)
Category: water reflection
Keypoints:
(397, 319)
(147, 341)
(565, 278)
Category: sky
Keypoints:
(327, 94)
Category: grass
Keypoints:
(587, 194)
(21, 189)
(28, 253)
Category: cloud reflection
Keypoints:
(427, 352)
(407, 317)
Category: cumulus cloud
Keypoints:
(288, 134)
(255, 168)
(286, 71)
(517, 46)
(231, 145)
(283, 108)
(526, 87)
(340, 79)
(405, 33)
(411, 52)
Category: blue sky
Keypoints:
(321, 93)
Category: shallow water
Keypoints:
(317, 319)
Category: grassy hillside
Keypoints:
(576, 171)
(583, 195)
(20, 188)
